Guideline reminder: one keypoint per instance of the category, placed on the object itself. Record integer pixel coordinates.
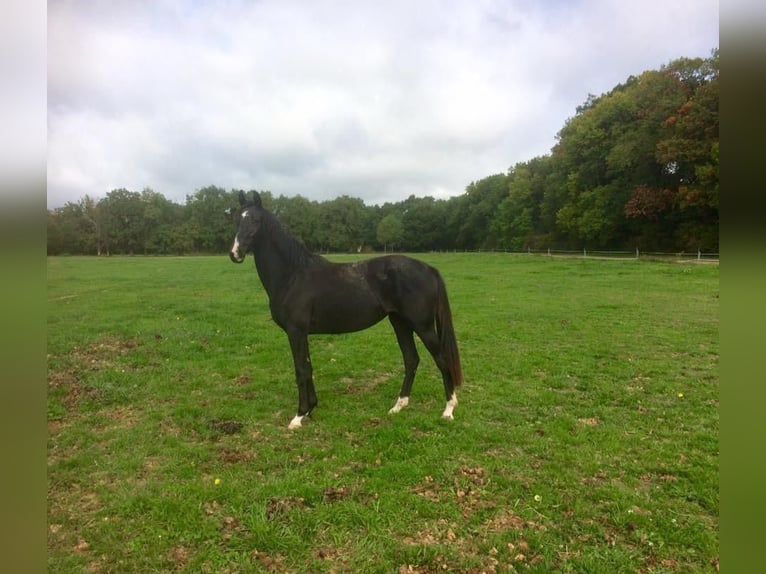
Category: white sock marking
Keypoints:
(401, 402)
(451, 404)
(296, 422)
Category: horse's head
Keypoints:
(248, 218)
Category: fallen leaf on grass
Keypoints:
(335, 494)
(267, 561)
(179, 556)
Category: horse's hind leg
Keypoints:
(431, 341)
(404, 336)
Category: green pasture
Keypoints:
(585, 439)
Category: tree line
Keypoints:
(636, 167)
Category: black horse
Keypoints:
(309, 294)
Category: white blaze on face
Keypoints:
(235, 247)
(451, 404)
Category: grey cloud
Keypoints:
(376, 100)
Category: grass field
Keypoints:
(586, 438)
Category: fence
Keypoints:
(699, 256)
(637, 254)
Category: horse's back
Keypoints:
(408, 266)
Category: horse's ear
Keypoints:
(242, 198)
(257, 199)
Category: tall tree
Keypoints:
(341, 224)
(630, 156)
(76, 228)
(162, 218)
(521, 220)
(689, 148)
(211, 231)
(423, 223)
(123, 221)
(390, 231)
(476, 211)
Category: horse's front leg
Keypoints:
(307, 399)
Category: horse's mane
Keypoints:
(290, 247)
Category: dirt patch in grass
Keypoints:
(370, 381)
(242, 380)
(99, 356)
(72, 389)
(475, 545)
(332, 494)
(179, 556)
(485, 543)
(591, 421)
(65, 508)
(102, 353)
(428, 489)
(334, 556)
(271, 562)
(505, 520)
(277, 507)
(225, 427)
(467, 487)
(231, 456)
(118, 417)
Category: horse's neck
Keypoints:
(278, 258)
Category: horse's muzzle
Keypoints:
(235, 257)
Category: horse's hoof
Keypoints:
(401, 402)
(295, 423)
(451, 404)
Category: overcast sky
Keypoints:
(377, 100)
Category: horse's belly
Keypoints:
(345, 313)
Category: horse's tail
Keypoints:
(446, 332)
